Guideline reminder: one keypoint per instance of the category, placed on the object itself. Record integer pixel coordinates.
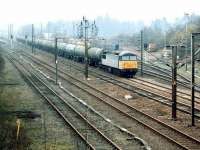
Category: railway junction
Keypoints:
(61, 108)
(114, 80)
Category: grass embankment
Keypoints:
(8, 128)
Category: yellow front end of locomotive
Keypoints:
(128, 65)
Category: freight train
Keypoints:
(123, 63)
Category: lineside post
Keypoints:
(174, 81)
(186, 47)
(32, 36)
(56, 61)
(26, 41)
(86, 47)
(192, 80)
(142, 48)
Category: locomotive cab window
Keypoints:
(125, 57)
(133, 57)
(104, 56)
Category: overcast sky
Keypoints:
(28, 11)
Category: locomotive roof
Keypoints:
(121, 53)
(95, 48)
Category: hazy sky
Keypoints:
(28, 11)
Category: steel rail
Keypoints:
(65, 119)
(166, 101)
(132, 108)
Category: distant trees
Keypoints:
(127, 33)
(162, 33)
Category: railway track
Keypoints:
(153, 93)
(150, 90)
(184, 97)
(165, 75)
(70, 115)
(164, 97)
(167, 89)
(166, 78)
(158, 95)
(115, 133)
(162, 73)
(172, 134)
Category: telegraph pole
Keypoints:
(56, 61)
(41, 30)
(86, 47)
(11, 36)
(8, 31)
(186, 46)
(174, 81)
(192, 80)
(142, 48)
(83, 33)
(32, 37)
(26, 37)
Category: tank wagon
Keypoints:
(122, 63)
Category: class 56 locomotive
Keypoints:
(123, 63)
